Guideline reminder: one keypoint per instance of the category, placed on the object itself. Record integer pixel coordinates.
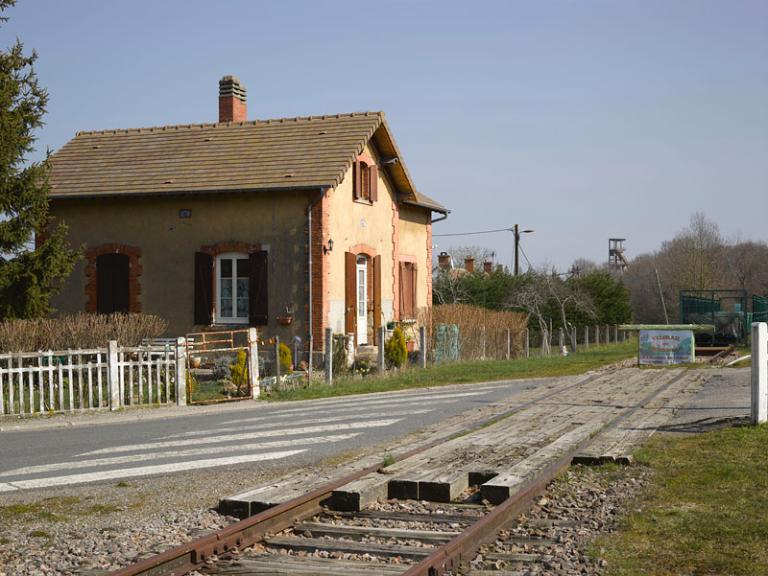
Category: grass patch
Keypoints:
(39, 534)
(467, 372)
(704, 512)
(100, 509)
(4, 541)
(56, 509)
(387, 459)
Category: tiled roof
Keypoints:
(283, 154)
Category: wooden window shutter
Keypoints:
(350, 292)
(258, 301)
(407, 290)
(401, 292)
(203, 288)
(376, 298)
(357, 180)
(373, 173)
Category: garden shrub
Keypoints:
(395, 351)
(239, 373)
(79, 331)
(286, 359)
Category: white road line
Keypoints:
(266, 425)
(361, 404)
(247, 436)
(150, 470)
(7, 487)
(136, 458)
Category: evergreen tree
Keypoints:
(29, 276)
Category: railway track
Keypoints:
(441, 503)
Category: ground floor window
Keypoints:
(232, 281)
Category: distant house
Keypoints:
(280, 224)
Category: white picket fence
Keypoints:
(102, 378)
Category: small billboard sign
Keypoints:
(661, 347)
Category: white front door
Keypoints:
(362, 300)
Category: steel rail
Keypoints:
(190, 556)
(450, 556)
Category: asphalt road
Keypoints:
(265, 433)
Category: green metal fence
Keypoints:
(726, 310)
(759, 308)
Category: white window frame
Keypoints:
(219, 318)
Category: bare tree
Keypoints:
(568, 296)
(531, 297)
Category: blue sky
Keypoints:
(583, 120)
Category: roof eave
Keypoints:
(153, 194)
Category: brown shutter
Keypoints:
(376, 298)
(357, 181)
(407, 290)
(258, 302)
(374, 175)
(350, 292)
(401, 292)
(203, 288)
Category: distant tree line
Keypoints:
(697, 258)
(551, 299)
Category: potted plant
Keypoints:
(286, 318)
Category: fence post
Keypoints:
(181, 371)
(561, 340)
(597, 335)
(253, 362)
(574, 338)
(527, 343)
(380, 352)
(329, 356)
(586, 336)
(349, 345)
(113, 376)
(615, 333)
(423, 346)
(759, 372)
(607, 334)
(277, 362)
(509, 344)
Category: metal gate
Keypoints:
(219, 366)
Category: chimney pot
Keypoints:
(488, 267)
(469, 264)
(444, 260)
(232, 106)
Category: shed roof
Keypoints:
(260, 155)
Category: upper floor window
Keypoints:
(365, 185)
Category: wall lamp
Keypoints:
(329, 247)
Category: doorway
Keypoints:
(362, 300)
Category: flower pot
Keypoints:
(284, 320)
(410, 345)
(196, 361)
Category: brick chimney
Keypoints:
(232, 107)
(488, 267)
(469, 264)
(444, 260)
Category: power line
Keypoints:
(474, 233)
(526, 257)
